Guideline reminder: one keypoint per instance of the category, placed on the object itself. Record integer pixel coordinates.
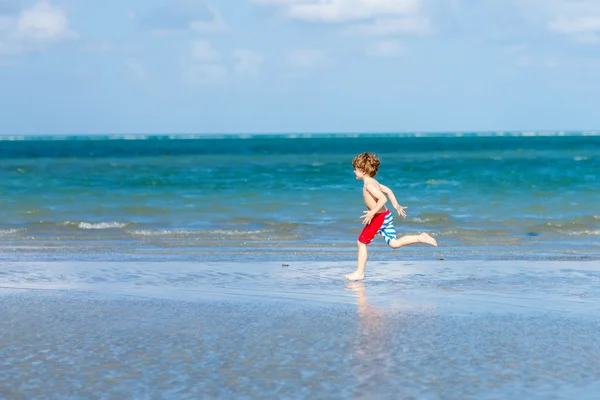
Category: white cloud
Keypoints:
(248, 62)
(577, 25)
(523, 56)
(203, 51)
(304, 59)
(584, 29)
(205, 73)
(579, 19)
(204, 64)
(178, 16)
(28, 29)
(387, 48)
(384, 18)
(342, 10)
(44, 22)
(418, 26)
(216, 25)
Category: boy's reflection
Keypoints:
(372, 356)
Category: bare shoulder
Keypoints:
(372, 184)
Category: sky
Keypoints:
(279, 66)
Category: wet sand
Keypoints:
(423, 330)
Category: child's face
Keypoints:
(359, 173)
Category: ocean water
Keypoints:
(294, 197)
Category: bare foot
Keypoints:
(425, 238)
(355, 276)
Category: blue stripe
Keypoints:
(387, 230)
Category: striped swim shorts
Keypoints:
(382, 224)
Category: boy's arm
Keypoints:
(381, 200)
(392, 198)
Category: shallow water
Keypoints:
(555, 284)
(436, 330)
(61, 347)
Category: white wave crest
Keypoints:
(166, 232)
(419, 220)
(101, 225)
(588, 232)
(11, 231)
(235, 232)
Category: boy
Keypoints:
(378, 219)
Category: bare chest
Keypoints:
(370, 200)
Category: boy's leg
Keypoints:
(389, 235)
(359, 274)
(412, 239)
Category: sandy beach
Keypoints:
(423, 330)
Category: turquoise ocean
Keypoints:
(522, 196)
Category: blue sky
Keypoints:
(187, 66)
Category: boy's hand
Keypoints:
(400, 210)
(367, 217)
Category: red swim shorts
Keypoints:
(382, 223)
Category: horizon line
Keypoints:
(292, 135)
